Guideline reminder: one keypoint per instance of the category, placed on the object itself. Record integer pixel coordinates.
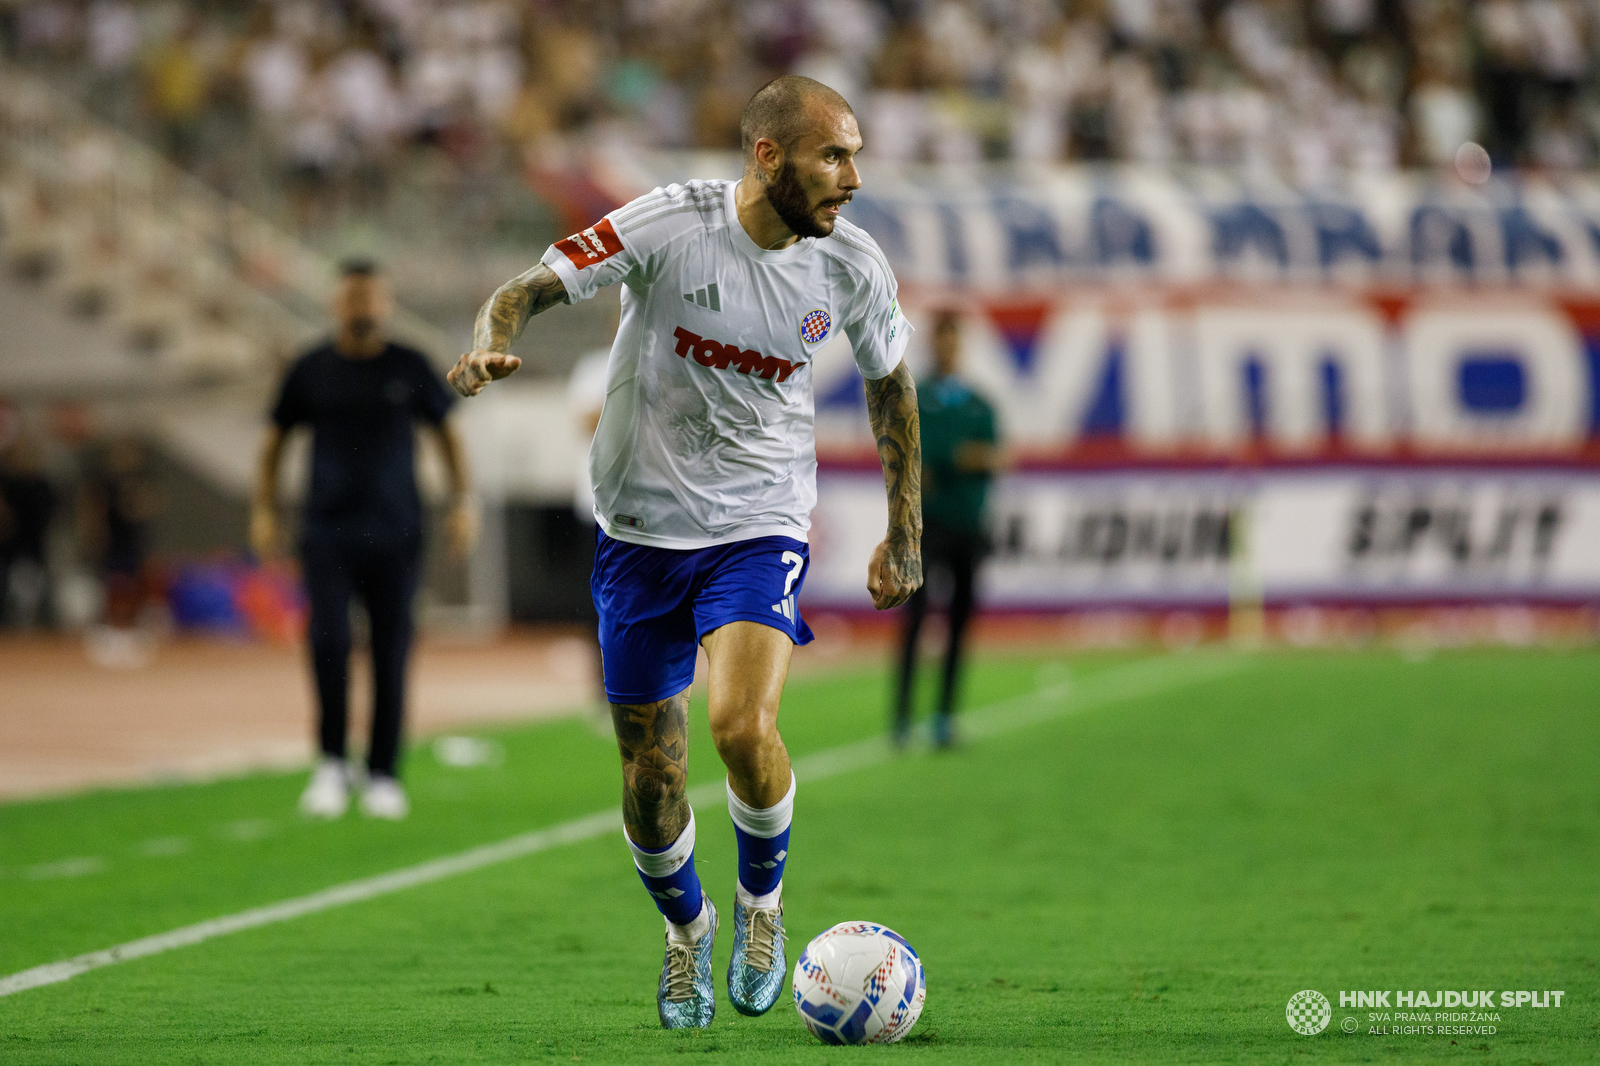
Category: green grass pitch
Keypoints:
(1149, 880)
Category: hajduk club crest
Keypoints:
(815, 326)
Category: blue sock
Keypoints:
(763, 837)
(669, 875)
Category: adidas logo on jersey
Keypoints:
(719, 356)
(706, 297)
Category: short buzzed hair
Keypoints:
(778, 110)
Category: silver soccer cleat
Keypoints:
(686, 998)
(757, 970)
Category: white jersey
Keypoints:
(707, 432)
(586, 397)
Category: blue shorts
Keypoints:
(656, 604)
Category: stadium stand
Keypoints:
(141, 301)
(1245, 143)
(342, 103)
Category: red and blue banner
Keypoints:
(1382, 392)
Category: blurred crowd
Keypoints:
(76, 515)
(82, 516)
(341, 93)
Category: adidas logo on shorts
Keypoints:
(787, 608)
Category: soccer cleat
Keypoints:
(757, 970)
(944, 730)
(385, 798)
(327, 795)
(686, 998)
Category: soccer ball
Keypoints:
(859, 983)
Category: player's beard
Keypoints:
(788, 198)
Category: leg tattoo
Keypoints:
(653, 739)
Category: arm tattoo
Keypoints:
(504, 314)
(892, 406)
(654, 741)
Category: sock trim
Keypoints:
(758, 822)
(694, 929)
(666, 861)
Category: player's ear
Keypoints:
(769, 157)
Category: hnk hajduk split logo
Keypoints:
(814, 327)
(1449, 1012)
(1309, 1012)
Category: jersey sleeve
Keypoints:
(293, 406)
(432, 399)
(625, 244)
(878, 332)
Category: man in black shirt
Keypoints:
(361, 531)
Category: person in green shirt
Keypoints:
(960, 456)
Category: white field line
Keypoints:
(1144, 678)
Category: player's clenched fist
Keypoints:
(893, 574)
(476, 369)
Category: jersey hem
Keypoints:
(649, 540)
(892, 368)
(564, 271)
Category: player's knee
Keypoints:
(741, 737)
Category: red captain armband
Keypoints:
(594, 245)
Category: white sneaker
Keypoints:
(384, 797)
(328, 793)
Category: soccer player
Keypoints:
(361, 531)
(960, 456)
(704, 475)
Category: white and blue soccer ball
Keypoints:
(859, 983)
